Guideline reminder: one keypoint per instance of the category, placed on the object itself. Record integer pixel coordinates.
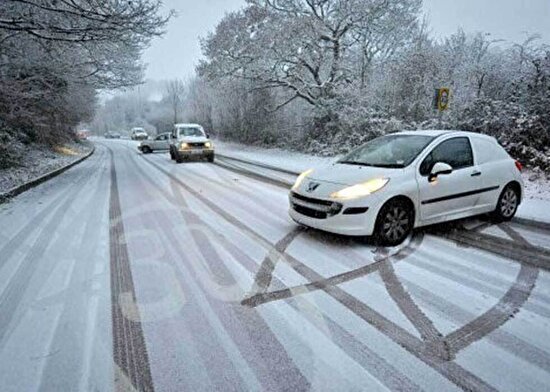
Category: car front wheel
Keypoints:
(394, 223)
(508, 204)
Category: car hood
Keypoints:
(343, 174)
(193, 139)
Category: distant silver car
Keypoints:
(159, 143)
(112, 135)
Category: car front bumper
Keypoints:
(353, 217)
(196, 153)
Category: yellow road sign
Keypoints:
(443, 96)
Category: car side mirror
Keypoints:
(440, 168)
(208, 136)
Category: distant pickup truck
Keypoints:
(190, 141)
(159, 143)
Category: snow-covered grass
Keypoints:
(277, 157)
(536, 205)
(38, 160)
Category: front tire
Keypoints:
(394, 223)
(210, 158)
(146, 150)
(507, 205)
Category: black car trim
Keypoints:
(458, 195)
(312, 200)
(356, 210)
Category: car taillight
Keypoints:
(519, 165)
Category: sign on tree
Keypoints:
(441, 98)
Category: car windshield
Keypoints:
(392, 151)
(191, 131)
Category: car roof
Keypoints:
(431, 132)
(184, 125)
(437, 133)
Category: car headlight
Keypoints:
(360, 190)
(183, 146)
(208, 145)
(301, 178)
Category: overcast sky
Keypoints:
(177, 53)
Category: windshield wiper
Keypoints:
(390, 165)
(354, 163)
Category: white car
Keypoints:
(404, 180)
(190, 141)
(138, 134)
(159, 143)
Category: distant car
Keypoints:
(405, 180)
(159, 143)
(82, 135)
(190, 141)
(139, 134)
(112, 135)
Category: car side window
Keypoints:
(456, 152)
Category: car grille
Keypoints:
(196, 145)
(314, 208)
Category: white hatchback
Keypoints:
(404, 180)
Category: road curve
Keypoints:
(131, 272)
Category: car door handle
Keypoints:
(476, 174)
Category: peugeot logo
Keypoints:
(312, 186)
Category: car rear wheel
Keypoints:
(508, 204)
(394, 223)
(146, 150)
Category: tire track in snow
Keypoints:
(412, 312)
(14, 244)
(507, 306)
(499, 337)
(129, 350)
(75, 298)
(255, 326)
(262, 297)
(15, 290)
(452, 371)
(258, 345)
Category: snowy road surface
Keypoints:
(129, 272)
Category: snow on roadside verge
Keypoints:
(277, 157)
(536, 204)
(38, 161)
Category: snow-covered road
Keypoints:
(130, 272)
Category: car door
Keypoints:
(156, 143)
(160, 142)
(451, 195)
